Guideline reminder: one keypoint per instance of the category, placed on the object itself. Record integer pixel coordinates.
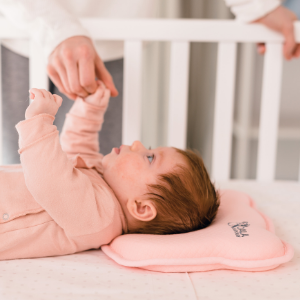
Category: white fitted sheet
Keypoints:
(92, 275)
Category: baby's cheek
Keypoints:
(129, 169)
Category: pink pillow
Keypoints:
(240, 238)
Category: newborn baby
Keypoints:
(65, 197)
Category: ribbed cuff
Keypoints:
(34, 128)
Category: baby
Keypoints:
(65, 197)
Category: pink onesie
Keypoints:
(56, 202)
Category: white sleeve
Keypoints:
(46, 21)
(251, 10)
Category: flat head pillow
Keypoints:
(240, 238)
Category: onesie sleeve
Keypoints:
(250, 10)
(80, 133)
(47, 22)
(81, 128)
(67, 194)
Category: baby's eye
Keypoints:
(150, 157)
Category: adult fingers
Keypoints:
(297, 51)
(290, 43)
(87, 76)
(104, 75)
(261, 48)
(73, 78)
(62, 73)
(56, 80)
(58, 66)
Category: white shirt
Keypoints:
(251, 10)
(50, 22)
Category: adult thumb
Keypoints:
(103, 75)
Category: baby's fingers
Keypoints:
(36, 93)
(105, 98)
(100, 90)
(58, 99)
(47, 94)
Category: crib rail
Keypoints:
(181, 33)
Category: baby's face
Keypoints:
(129, 169)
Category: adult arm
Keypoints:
(271, 14)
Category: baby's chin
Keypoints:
(108, 157)
(105, 159)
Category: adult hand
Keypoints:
(282, 20)
(74, 65)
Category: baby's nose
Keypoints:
(137, 145)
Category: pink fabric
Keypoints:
(56, 201)
(240, 238)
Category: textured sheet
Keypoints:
(92, 275)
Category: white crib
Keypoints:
(279, 200)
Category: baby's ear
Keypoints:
(143, 210)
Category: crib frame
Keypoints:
(181, 32)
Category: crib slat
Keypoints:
(1, 120)
(178, 94)
(245, 99)
(222, 134)
(269, 115)
(132, 114)
(37, 67)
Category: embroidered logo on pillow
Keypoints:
(239, 228)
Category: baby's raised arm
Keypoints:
(83, 123)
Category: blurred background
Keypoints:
(202, 80)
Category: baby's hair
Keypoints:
(185, 199)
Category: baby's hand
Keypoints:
(43, 103)
(100, 97)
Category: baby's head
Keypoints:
(161, 191)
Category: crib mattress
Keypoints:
(91, 275)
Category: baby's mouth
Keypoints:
(117, 150)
